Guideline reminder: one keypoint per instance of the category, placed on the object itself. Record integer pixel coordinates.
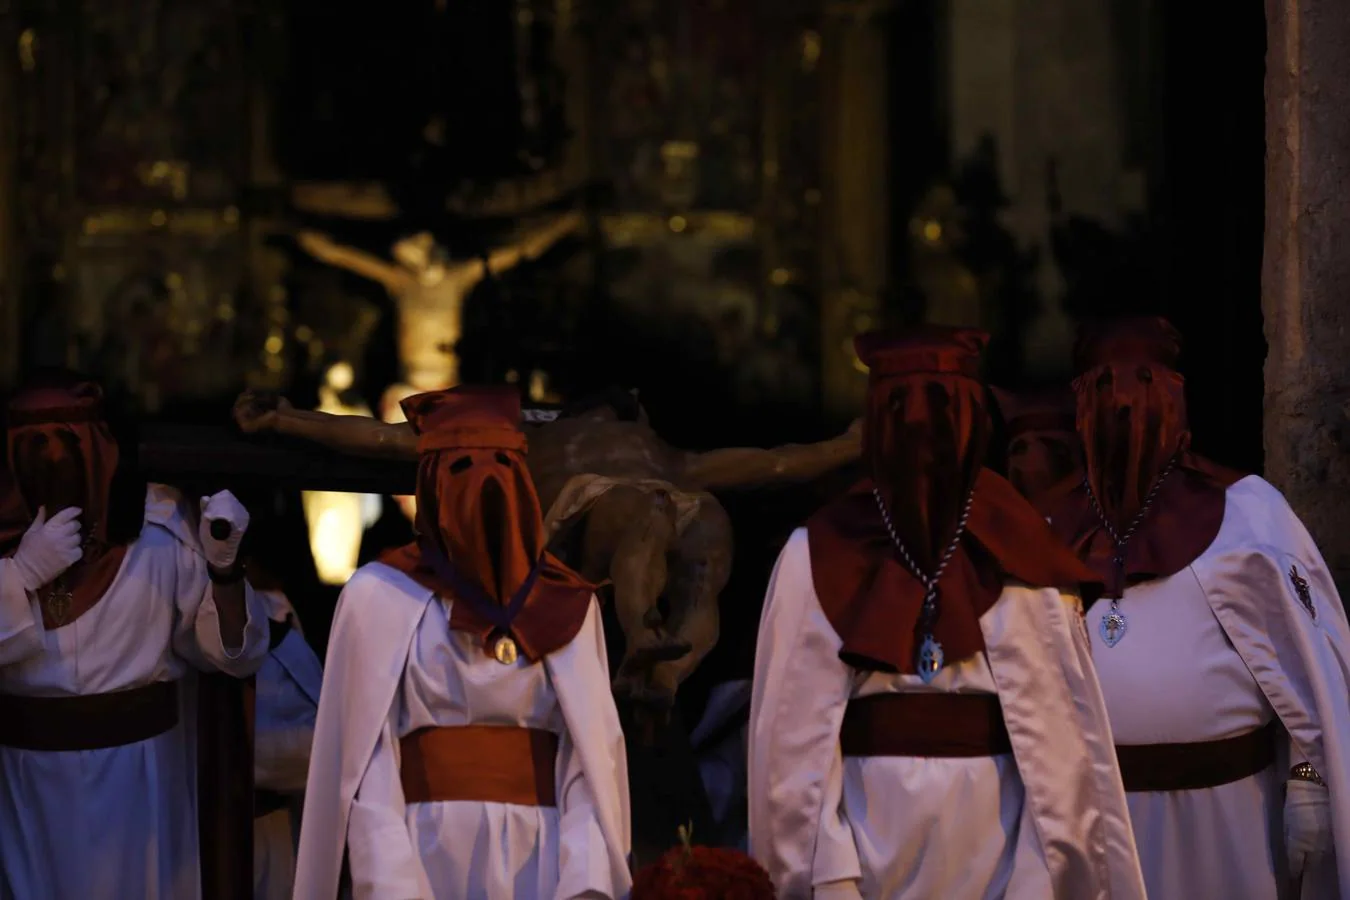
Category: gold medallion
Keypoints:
(505, 650)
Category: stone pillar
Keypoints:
(857, 224)
(1306, 267)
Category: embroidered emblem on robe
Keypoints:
(1302, 589)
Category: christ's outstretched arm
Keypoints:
(746, 467)
(532, 244)
(326, 250)
(357, 435)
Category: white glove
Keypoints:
(49, 547)
(1307, 824)
(837, 890)
(225, 508)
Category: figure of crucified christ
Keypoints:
(430, 290)
(623, 506)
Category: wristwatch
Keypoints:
(1305, 772)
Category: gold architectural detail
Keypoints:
(123, 222)
(349, 201)
(635, 229)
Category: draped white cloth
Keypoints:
(395, 666)
(119, 822)
(1048, 820)
(287, 703)
(1220, 648)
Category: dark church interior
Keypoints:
(702, 202)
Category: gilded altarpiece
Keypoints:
(134, 155)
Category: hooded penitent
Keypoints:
(1131, 412)
(925, 431)
(480, 529)
(60, 454)
(1042, 438)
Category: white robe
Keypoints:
(1220, 648)
(119, 822)
(1049, 820)
(394, 666)
(286, 706)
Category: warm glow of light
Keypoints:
(394, 395)
(678, 224)
(780, 276)
(852, 353)
(341, 376)
(28, 47)
(932, 231)
(334, 534)
(682, 151)
(539, 391)
(274, 344)
(337, 523)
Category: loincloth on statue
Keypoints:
(581, 492)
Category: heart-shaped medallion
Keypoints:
(1113, 627)
(930, 659)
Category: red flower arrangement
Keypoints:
(702, 873)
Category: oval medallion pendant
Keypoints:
(505, 650)
(57, 605)
(929, 661)
(1112, 628)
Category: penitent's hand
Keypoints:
(855, 430)
(49, 547)
(222, 550)
(256, 412)
(1307, 825)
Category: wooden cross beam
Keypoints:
(180, 454)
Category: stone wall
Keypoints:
(1306, 273)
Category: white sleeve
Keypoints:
(197, 630)
(801, 688)
(383, 863)
(21, 631)
(584, 869)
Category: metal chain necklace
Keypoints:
(1114, 625)
(57, 598)
(929, 658)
